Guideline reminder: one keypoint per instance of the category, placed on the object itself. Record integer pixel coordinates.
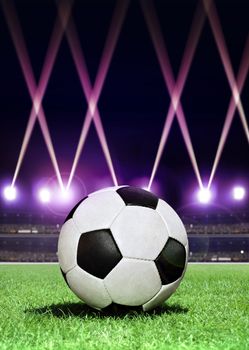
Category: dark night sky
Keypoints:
(134, 100)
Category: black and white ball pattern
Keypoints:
(123, 245)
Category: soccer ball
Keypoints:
(123, 245)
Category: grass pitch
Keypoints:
(210, 310)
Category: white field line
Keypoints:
(190, 263)
(28, 263)
(218, 263)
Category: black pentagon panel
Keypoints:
(70, 215)
(64, 276)
(171, 261)
(138, 196)
(98, 253)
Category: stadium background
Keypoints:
(133, 105)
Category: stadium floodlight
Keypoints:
(66, 195)
(44, 195)
(204, 195)
(10, 193)
(239, 193)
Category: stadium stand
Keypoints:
(212, 237)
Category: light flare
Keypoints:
(44, 195)
(239, 193)
(10, 193)
(66, 195)
(204, 195)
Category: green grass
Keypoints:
(210, 310)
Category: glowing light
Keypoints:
(10, 193)
(92, 106)
(66, 195)
(175, 101)
(239, 193)
(44, 195)
(204, 195)
(36, 104)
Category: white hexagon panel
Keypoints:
(164, 293)
(175, 226)
(139, 232)
(68, 245)
(98, 211)
(88, 288)
(107, 189)
(133, 282)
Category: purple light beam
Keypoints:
(174, 88)
(93, 94)
(36, 93)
